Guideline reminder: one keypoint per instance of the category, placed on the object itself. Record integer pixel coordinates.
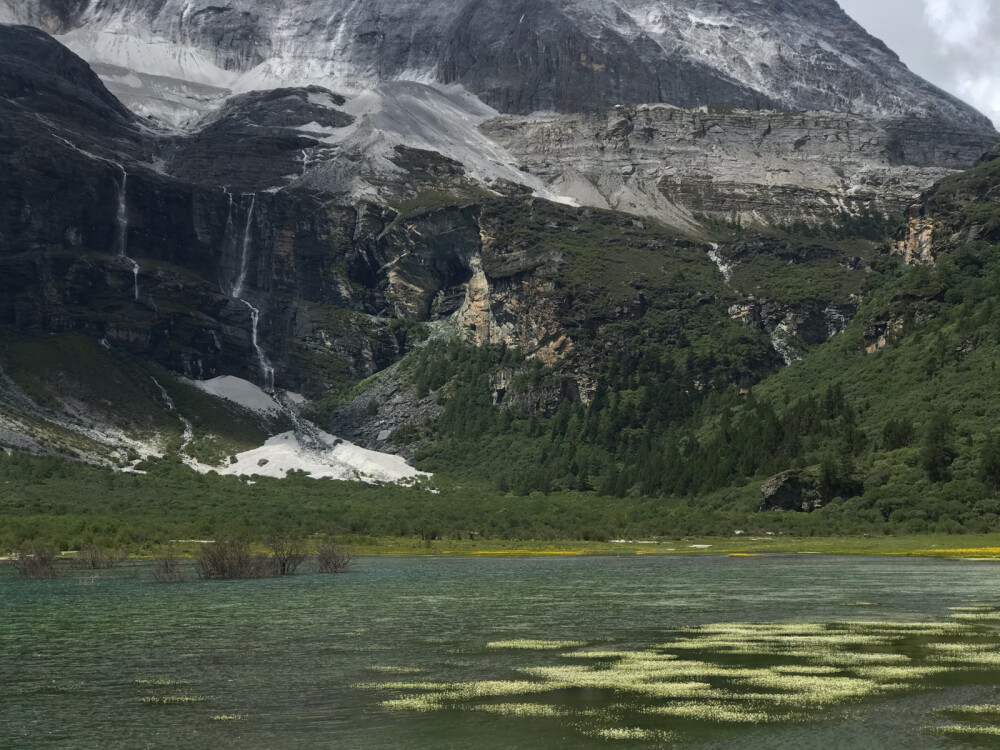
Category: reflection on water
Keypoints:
(508, 653)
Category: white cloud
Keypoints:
(957, 22)
(982, 90)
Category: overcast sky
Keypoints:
(955, 44)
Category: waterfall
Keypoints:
(122, 245)
(724, 268)
(237, 290)
(230, 230)
(122, 215)
(266, 368)
(779, 341)
(310, 437)
(135, 278)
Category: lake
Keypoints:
(706, 651)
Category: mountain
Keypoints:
(809, 117)
(518, 57)
(463, 232)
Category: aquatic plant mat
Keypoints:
(731, 674)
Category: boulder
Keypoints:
(790, 491)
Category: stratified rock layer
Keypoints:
(738, 165)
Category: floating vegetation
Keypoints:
(497, 688)
(629, 733)
(848, 660)
(972, 659)
(728, 673)
(521, 709)
(415, 703)
(806, 669)
(169, 700)
(975, 616)
(533, 645)
(900, 673)
(159, 682)
(971, 648)
(719, 713)
(967, 730)
(399, 686)
(984, 722)
(608, 654)
(987, 711)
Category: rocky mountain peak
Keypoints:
(518, 57)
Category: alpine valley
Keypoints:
(532, 269)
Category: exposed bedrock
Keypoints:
(737, 165)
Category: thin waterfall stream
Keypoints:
(266, 368)
(122, 245)
(188, 434)
(308, 434)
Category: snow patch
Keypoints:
(334, 459)
(241, 392)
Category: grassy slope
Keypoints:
(116, 389)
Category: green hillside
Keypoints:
(890, 427)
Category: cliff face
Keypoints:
(513, 303)
(917, 246)
(962, 208)
(773, 147)
(737, 165)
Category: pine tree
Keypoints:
(938, 451)
(989, 462)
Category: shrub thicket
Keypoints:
(332, 557)
(35, 562)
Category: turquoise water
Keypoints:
(80, 654)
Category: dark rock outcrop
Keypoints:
(790, 491)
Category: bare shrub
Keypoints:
(287, 554)
(168, 569)
(32, 562)
(231, 559)
(95, 558)
(333, 558)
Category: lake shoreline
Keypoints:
(985, 547)
(959, 548)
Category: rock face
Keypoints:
(519, 57)
(918, 244)
(508, 303)
(790, 492)
(961, 208)
(745, 167)
(770, 149)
